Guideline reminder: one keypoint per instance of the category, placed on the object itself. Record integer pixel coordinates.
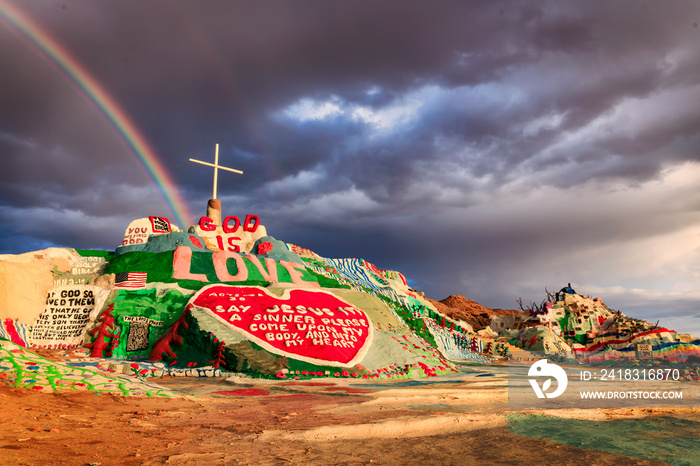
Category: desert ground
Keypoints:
(460, 419)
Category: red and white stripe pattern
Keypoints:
(130, 280)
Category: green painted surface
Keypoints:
(159, 267)
(165, 307)
(668, 439)
(94, 253)
(326, 282)
(21, 368)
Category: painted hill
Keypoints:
(224, 297)
(230, 298)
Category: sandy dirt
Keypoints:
(280, 422)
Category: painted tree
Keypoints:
(502, 350)
(105, 334)
(219, 358)
(474, 346)
(163, 345)
(531, 342)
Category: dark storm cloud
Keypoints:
(190, 65)
(475, 146)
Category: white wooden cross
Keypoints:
(216, 168)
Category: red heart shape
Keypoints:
(310, 325)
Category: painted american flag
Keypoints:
(130, 280)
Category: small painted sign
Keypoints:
(140, 332)
(68, 311)
(233, 235)
(644, 350)
(160, 225)
(310, 325)
(140, 229)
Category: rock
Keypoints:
(487, 332)
(460, 308)
(23, 289)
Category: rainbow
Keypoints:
(48, 47)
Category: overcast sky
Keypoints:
(488, 149)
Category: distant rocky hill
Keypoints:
(460, 308)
